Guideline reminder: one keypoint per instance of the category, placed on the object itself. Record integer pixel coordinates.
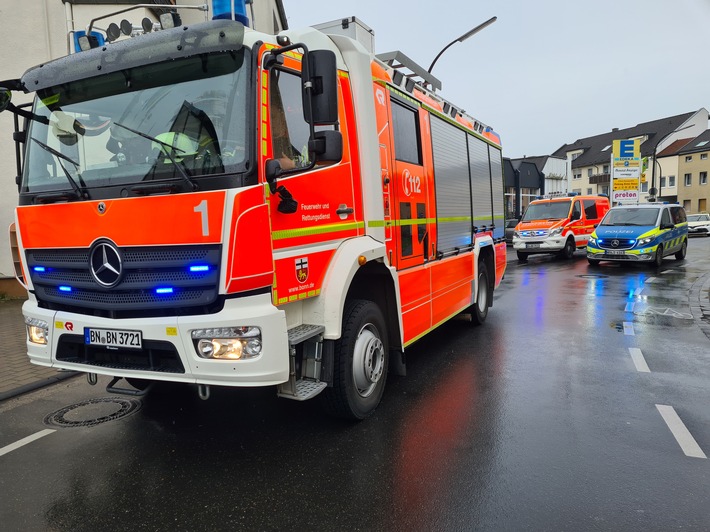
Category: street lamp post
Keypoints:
(463, 38)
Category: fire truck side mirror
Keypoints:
(323, 73)
(327, 145)
(5, 98)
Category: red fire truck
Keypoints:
(216, 206)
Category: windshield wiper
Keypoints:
(79, 191)
(183, 173)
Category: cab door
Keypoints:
(577, 222)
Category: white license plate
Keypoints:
(615, 252)
(113, 338)
(532, 246)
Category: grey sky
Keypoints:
(549, 71)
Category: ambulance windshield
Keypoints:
(177, 121)
(547, 210)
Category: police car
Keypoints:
(640, 233)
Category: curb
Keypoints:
(38, 384)
(699, 299)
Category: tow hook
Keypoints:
(203, 390)
(92, 378)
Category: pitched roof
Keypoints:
(696, 144)
(597, 149)
(673, 148)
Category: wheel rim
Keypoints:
(368, 360)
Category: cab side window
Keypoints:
(665, 217)
(590, 209)
(576, 211)
(289, 129)
(406, 134)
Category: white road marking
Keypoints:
(629, 307)
(682, 435)
(652, 280)
(667, 271)
(629, 328)
(639, 361)
(638, 291)
(25, 441)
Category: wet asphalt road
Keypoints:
(552, 416)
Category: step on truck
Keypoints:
(213, 205)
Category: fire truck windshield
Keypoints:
(182, 120)
(547, 210)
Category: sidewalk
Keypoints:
(17, 374)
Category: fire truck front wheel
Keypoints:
(361, 361)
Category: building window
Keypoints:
(702, 205)
(577, 176)
(703, 178)
(577, 190)
(589, 192)
(688, 179)
(605, 190)
(589, 172)
(575, 155)
(688, 158)
(703, 156)
(686, 204)
(663, 181)
(606, 169)
(671, 180)
(644, 187)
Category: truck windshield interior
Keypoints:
(153, 123)
(631, 216)
(548, 210)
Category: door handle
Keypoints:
(344, 210)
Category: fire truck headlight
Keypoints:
(228, 343)
(556, 232)
(37, 331)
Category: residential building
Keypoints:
(589, 159)
(693, 169)
(42, 30)
(667, 171)
(523, 183)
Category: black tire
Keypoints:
(522, 256)
(658, 257)
(680, 254)
(568, 251)
(479, 310)
(361, 359)
(593, 262)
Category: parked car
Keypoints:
(640, 233)
(510, 229)
(698, 224)
(559, 225)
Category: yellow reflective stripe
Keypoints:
(50, 100)
(318, 230)
(417, 221)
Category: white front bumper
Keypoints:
(269, 368)
(540, 245)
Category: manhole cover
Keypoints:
(92, 412)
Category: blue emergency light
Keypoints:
(93, 40)
(222, 9)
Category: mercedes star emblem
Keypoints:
(105, 264)
(615, 243)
